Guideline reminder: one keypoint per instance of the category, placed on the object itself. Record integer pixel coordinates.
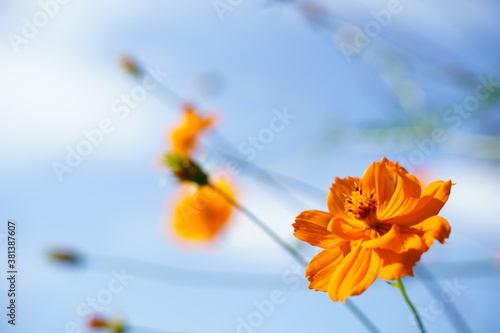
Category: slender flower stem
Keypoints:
(361, 316)
(171, 97)
(287, 247)
(401, 287)
(293, 252)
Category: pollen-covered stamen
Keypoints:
(361, 205)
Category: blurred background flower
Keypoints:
(201, 213)
(184, 137)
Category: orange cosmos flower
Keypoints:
(378, 225)
(184, 137)
(202, 212)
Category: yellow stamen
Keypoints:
(361, 205)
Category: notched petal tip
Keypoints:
(383, 159)
(337, 194)
(435, 228)
(317, 217)
(311, 227)
(397, 265)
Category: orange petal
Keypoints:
(434, 228)
(416, 240)
(322, 266)
(355, 274)
(396, 265)
(184, 137)
(380, 179)
(337, 195)
(430, 203)
(311, 226)
(404, 198)
(346, 231)
(398, 241)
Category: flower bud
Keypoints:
(185, 169)
(130, 65)
(65, 256)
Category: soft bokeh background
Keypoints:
(258, 57)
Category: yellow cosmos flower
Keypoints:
(184, 137)
(378, 225)
(202, 212)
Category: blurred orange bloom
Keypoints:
(129, 65)
(378, 225)
(184, 137)
(114, 326)
(202, 212)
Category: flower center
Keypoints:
(361, 205)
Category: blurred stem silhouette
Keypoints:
(451, 72)
(269, 178)
(219, 279)
(171, 97)
(293, 252)
(431, 284)
(287, 247)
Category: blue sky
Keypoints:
(66, 80)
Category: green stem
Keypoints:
(401, 287)
(287, 247)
